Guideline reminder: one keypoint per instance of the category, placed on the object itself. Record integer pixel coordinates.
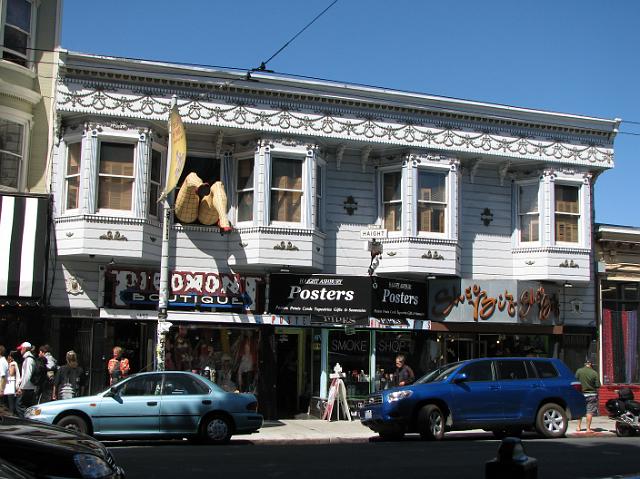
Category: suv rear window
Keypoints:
(545, 369)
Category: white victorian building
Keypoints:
(483, 213)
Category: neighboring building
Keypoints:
(28, 67)
(482, 216)
(618, 260)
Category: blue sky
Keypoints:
(571, 56)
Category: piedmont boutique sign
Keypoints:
(336, 299)
(136, 288)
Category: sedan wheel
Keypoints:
(431, 422)
(551, 421)
(74, 423)
(217, 430)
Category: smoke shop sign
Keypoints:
(135, 288)
(496, 301)
(347, 300)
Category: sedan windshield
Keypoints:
(440, 374)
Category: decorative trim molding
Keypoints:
(569, 264)
(73, 285)
(286, 246)
(430, 255)
(117, 220)
(419, 240)
(115, 236)
(552, 249)
(74, 97)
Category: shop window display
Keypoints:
(352, 352)
(228, 356)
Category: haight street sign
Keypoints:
(373, 233)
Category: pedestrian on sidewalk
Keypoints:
(590, 382)
(404, 374)
(26, 395)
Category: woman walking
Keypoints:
(68, 379)
(12, 380)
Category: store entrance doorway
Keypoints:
(288, 370)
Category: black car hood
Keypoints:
(16, 430)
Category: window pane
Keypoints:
(545, 369)
(156, 166)
(115, 193)
(9, 170)
(155, 207)
(509, 370)
(19, 14)
(431, 218)
(567, 228)
(208, 169)
(528, 199)
(15, 40)
(286, 174)
(392, 187)
(431, 187)
(566, 199)
(245, 206)
(116, 159)
(73, 159)
(392, 216)
(11, 137)
(73, 189)
(529, 228)
(478, 371)
(245, 175)
(14, 58)
(286, 206)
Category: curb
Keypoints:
(311, 441)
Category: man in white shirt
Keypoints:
(4, 373)
(26, 390)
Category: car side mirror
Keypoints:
(460, 378)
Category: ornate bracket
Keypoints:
(486, 216)
(430, 255)
(502, 171)
(529, 262)
(569, 264)
(474, 170)
(219, 143)
(365, 157)
(116, 236)
(69, 234)
(244, 245)
(350, 204)
(339, 155)
(391, 253)
(288, 246)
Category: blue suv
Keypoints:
(502, 395)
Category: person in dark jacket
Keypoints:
(403, 374)
(69, 378)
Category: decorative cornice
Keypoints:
(552, 249)
(266, 118)
(419, 240)
(19, 92)
(117, 220)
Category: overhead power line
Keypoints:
(263, 65)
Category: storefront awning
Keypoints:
(24, 239)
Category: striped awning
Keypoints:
(23, 245)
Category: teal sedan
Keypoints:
(156, 404)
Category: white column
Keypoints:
(90, 171)
(324, 362)
(140, 182)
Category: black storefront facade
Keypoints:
(364, 322)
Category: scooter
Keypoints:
(626, 412)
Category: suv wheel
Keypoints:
(431, 423)
(551, 421)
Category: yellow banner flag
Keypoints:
(178, 140)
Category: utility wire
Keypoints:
(263, 65)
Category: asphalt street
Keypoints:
(455, 457)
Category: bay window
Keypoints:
(72, 176)
(12, 138)
(115, 178)
(286, 190)
(528, 213)
(567, 213)
(432, 201)
(17, 31)
(245, 190)
(392, 200)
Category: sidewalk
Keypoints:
(317, 431)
